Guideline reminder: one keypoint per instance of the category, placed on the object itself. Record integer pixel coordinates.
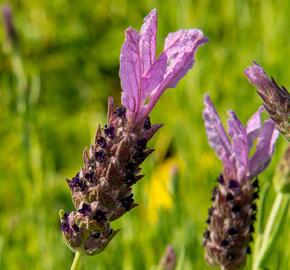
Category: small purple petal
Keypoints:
(239, 144)
(148, 40)
(216, 134)
(153, 77)
(253, 126)
(264, 149)
(130, 70)
(179, 49)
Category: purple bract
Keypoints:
(144, 77)
(235, 153)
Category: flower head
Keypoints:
(276, 99)
(230, 221)
(235, 153)
(102, 189)
(144, 77)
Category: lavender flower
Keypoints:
(231, 218)
(102, 189)
(276, 99)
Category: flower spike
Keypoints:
(102, 189)
(276, 99)
(231, 218)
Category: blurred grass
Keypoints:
(70, 52)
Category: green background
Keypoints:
(49, 111)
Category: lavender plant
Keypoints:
(231, 218)
(276, 99)
(102, 189)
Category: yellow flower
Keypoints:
(159, 188)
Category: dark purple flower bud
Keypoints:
(100, 216)
(254, 207)
(141, 144)
(255, 195)
(206, 234)
(75, 228)
(130, 167)
(230, 197)
(225, 243)
(65, 227)
(90, 176)
(120, 111)
(76, 183)
(85, 209)
(129, 179)
(233, 184)
(127, 202)
(232, 231)
(109, 131)
(101, 142)
(236, 208)
(99, 155)
(147, 123)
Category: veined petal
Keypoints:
(130, 70)
(239, 144)
(216, 134)
(253, 126)
(179, 48)
(144, 78)
(154, 76)
(148, 40)
(264, 149)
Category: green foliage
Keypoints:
(53, 91)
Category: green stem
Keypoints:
(270, 233)
(261, 215)
(76, 262)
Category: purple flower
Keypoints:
(144, 77)
(102, 189)
(276, 99)
(235, 153)
(231, 217)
